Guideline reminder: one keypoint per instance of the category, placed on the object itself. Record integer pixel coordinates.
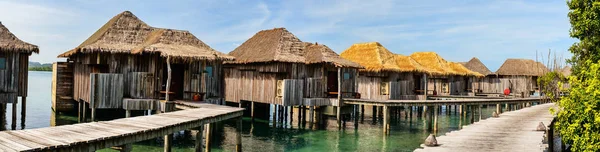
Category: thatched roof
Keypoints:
(125, 33)
(10, 43)
(433, 61)
(275, 45)
(566, 71)
(374, 57)
(409, 64)
(524, 67)
(476, 65)
(318, 53)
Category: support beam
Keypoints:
(339, 97)
(208, 128)
(498, 109)
(199, 137)
(311, 113)
(127, 113)
(79, 109)
(386, 120)
(238, 141)
(83, 117)
(435, 119)
(14, 115)
(23, 111)
(479, 107)
(274, 115)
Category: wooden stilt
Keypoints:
(274, 115)
(362, 113)
(14, 115)
(127, 113)
(303, 113)
(498, 109)
(199, 137)
(252, 111)
(85, 106)
(435, 118)
(311, 116)
(386, 119)
(339, 118)
(479, 108)
(375, 113)
(168, 142)
(208, 128)
(238, 142)
(79, 109)
(23, 111)
(291, 116)
(339, 97)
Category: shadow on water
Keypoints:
(406, 133)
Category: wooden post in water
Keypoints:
(479, 107)
(238, 142)
(274, 115)
(311, 113)
(208, 128)
(339, 97)
(127, 113)
(498, 109)
(374, 114)
(291, 117)
(84, 111)
(435, 119)
(386, 120)
(23, 111)
(79, 109)
(362, 113)
(14, 115)
(252, 110)
(198, 143)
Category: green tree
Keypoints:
(579, 115)
(584, 16)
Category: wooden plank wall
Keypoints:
(293, 92)
(141, 85)
(62, 86)
(458, 85)
(107, 91)
(198, 80)
(9, 77)
(113, 63)
(518, 84)
(368, 87)
(23, 73)
(488, 84)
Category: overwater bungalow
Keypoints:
(386, 76)
(520, 76)
(14, 65)
(128, 61)
(454, 77)
(275, 67)
(487, 84)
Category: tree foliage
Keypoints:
(552, 83)
(579, 115)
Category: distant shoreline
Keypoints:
(40, 68)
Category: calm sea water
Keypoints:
(406, 135)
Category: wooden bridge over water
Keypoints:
(120, 132)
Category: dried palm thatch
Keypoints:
(432, 60)
(476, 65)
(374, 57)
(318, 53)
(125, 33)
(462, 70)
(566, 71)
(409, 64)
(275, 45)
(522, 67)
(10, 43)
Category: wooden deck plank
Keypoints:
(512, 131)
(99, 135)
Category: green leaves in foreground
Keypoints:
(579, 115)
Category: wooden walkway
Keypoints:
(105, 134)
(393, 103)
(512, 131)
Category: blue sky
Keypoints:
(457, 30)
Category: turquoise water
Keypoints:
(405, 134)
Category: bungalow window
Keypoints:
(2, 63)
(209, 71)
(346, 76)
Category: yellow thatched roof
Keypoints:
(435, 62)
(409, 64)
(373, 56)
